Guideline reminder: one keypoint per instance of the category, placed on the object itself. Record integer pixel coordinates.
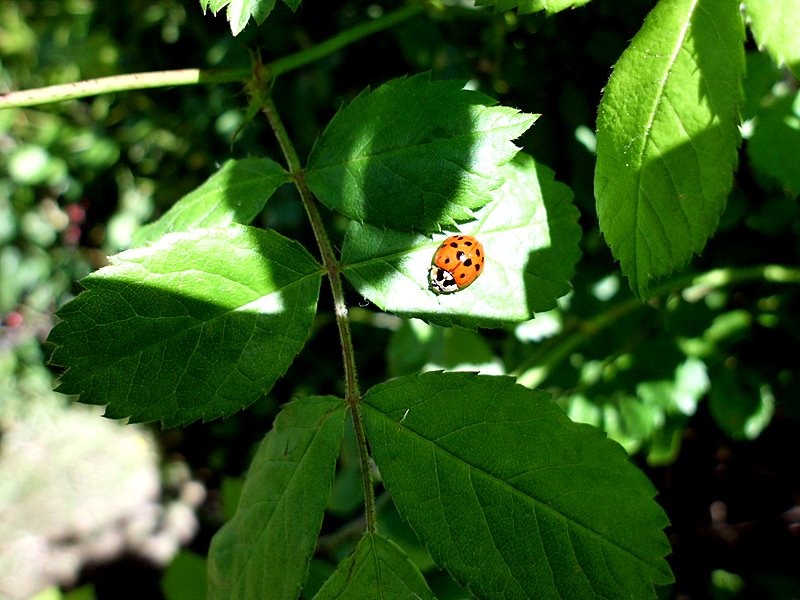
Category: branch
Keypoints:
(161, 79)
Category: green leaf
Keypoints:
(741, 403)
(197, 325)
(264, 551)
(240, 11)
(416, 346)
(377, 568)
(234, 194)
(775, 25)
(185, 577)
(525, 7)
(530, 236)
(414, 155)
(667, 136)
(774, 148)
(512, 497)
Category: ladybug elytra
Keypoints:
(456, 264)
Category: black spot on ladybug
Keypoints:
(478, 252)
(462, 275)
(468, 262)
(454, 244)
(477, 267)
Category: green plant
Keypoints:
(207, 310)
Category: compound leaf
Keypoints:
(196, 325)
(512, 497)
(667, 136)
(264, 551)
(414, 155)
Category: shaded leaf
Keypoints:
(196, 325)
(264, 551)
(377, 569)
(741, 403)
(234, 194)
(512, 497)
(774, 148)
(414, 155)
(667, 136)
(530, 236)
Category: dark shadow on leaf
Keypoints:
(404, 155)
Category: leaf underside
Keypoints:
(377, 568)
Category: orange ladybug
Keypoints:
(456, 264)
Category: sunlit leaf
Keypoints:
(530, 236)
(775, 25)
(667, 136)
(240, 12)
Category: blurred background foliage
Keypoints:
(699, 384)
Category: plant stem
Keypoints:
(341, 40)
(180, 77)
(331, 265)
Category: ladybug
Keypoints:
(456, 264)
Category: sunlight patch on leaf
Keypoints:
(530, 236)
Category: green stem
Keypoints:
(694, 286)
(331, 265)
(161, 79)
(341, 40)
